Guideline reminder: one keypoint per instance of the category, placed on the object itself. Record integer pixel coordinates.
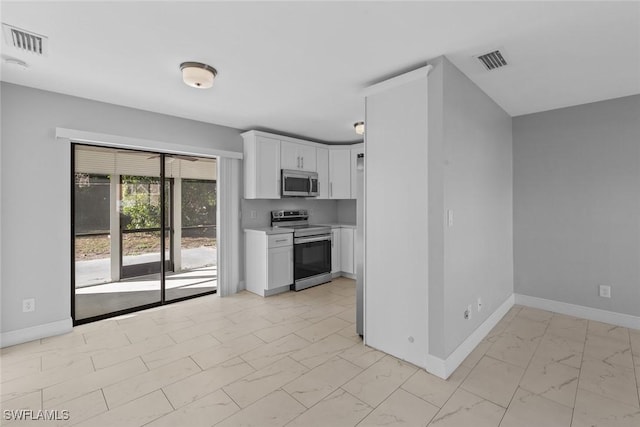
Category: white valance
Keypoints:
(117, 141)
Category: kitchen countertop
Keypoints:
(339, 225)
(270, 230)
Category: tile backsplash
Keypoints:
(320, 211)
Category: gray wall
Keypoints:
(36, 188)
(577, 204)
(470, 149)
(347, 213)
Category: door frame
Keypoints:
(163, 269)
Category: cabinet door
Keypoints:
(289, 156)
(307, 157)
(280, 267)
(322, 162)
(346, 250)
(354, 170)
(339, 174)
(335, 250)
(267, 168)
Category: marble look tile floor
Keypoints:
(295, 359)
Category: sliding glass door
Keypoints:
(131, 250)
(195, 269)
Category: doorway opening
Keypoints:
(144, 230)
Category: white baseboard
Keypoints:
(589, 313)
(343, 274)
(445, 367)
(35, 332)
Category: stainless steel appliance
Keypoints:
(359, 245)
(299, 183)
(311, 248)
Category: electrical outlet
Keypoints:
(467, 313)
(479, 304)
(28, 305)
(450, 218)
(605, 291)
(254, 214)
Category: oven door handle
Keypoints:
(298, 240)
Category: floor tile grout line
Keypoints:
(105, 399)
(460, 386)
(633, 364)
(584, 348)
(168, 400)
(240, 408)
(311, 369)
(423, 399)
(131, 401)
(547, 323)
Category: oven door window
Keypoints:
(311, 259)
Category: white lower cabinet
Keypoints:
(335, 250)
(268, 262)
(280, 267)
(346, 250)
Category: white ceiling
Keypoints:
(299, 68)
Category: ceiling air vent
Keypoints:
(492, 60)
(25, 41)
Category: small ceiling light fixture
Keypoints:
(198, 75)
(15, 61)
(359, 127)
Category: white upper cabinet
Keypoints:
(266, 154)
(339, 173)
(261, 167)
(307, 157)
(322, 163)
(297, 156)
(355, 150)
(289, 157)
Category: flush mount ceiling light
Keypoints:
(15, 61)
(359, 127)
(197, 74)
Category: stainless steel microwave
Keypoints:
(299, 183)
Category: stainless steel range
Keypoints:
(311, 248)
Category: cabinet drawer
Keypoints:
(278, 240)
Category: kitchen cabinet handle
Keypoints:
(331, 189)
(280, 240)
(302, 159)
(298, 161)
